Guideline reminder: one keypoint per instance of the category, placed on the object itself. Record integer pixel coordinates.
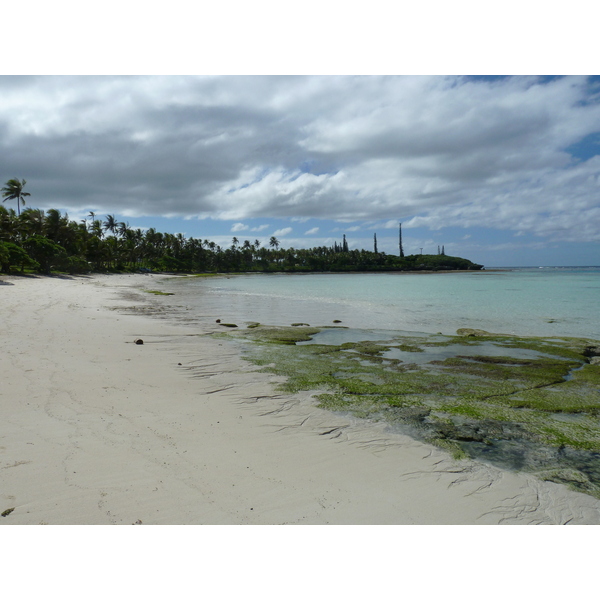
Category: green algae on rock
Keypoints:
(281, 335)
(159, 293)
(527, 403)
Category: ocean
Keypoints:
(546, 301)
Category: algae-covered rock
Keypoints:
(283, 335)
(159, 293)
(565, 476)
(409, 414)
(370, 348)
(468, 332)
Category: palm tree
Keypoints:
(96, 228)
(110, 224)
(122, 228)
(92, 216)
(14, 191)
(274, 242)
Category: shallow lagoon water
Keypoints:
(526, 302)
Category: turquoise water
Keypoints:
(527, 301)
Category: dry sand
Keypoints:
(95, 429)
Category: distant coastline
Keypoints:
(34, 241)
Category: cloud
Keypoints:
(391, 224)
(312, 231)
(428, 151)
(564, 205)
(282, 232)
(260, 228)
(239, 227)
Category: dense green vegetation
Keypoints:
(50, 241)
(35, 240)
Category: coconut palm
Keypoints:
(122, 228)
(110, 224)
(92, 216)
(14, 191)
(96, 228)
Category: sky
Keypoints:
(503, 170)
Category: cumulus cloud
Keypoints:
(427, 151)
(282, 232)
(239, 227)
(312, 231)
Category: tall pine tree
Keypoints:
(400, 242)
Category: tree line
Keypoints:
(44, 241)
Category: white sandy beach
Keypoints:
(95, 429)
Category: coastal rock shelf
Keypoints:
(529, 404)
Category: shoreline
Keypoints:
(181, 430)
